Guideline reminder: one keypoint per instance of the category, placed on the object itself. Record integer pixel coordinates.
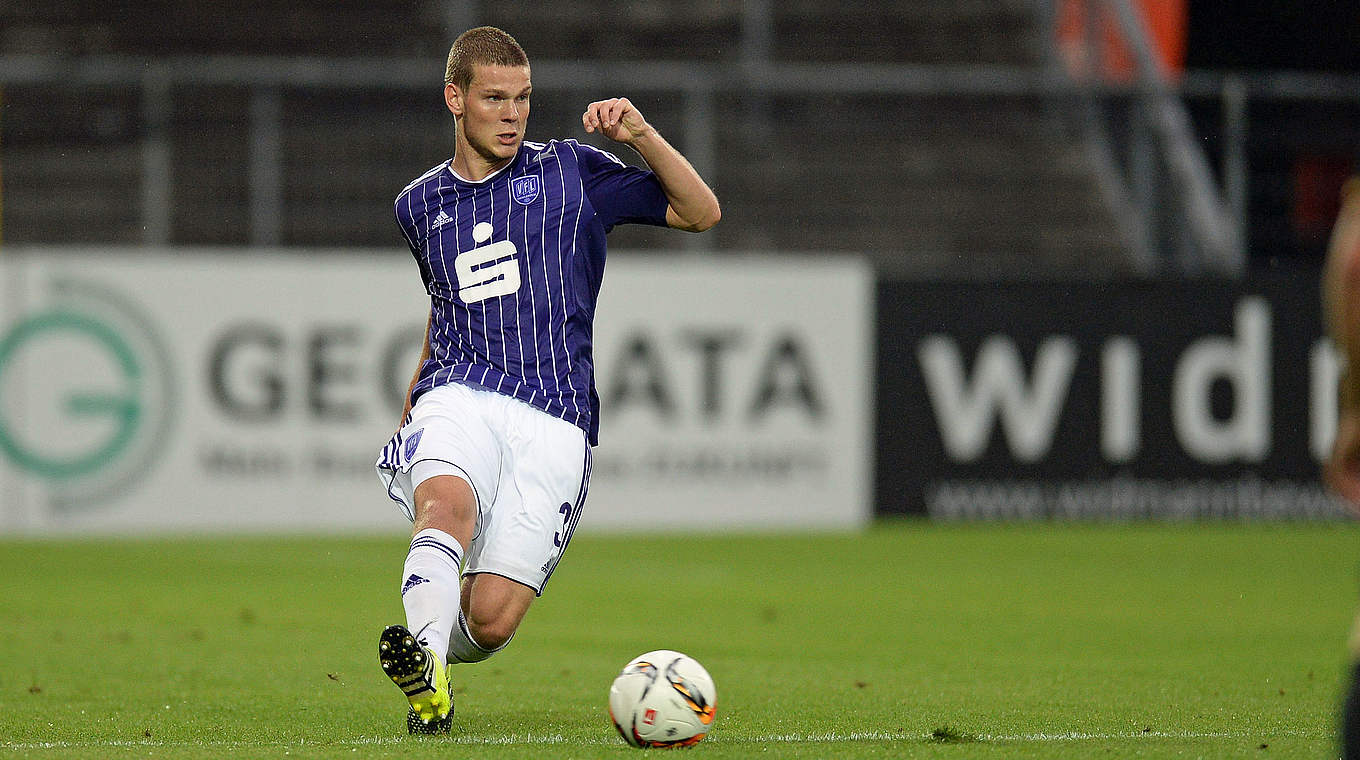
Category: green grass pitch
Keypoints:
(908, 640)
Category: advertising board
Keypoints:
(1167, 399)
(225, 391)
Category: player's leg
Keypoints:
(438, 469)
(1350, 717)
(545, 471)
(445, 515)
(493, 608)
(413, 655)
(1350, 706)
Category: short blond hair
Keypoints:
(486, 46)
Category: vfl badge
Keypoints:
(525, 189)
(411, 443)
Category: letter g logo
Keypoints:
(118, 407)
(87, 393)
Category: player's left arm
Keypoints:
(693, 205)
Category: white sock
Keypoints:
(463, 648)
(430, 588)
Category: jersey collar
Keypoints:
(490, 177)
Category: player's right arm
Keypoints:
(405, 210)
(1341, 303)
(415, 377)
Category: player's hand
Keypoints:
(1343, 467)
(615, 118)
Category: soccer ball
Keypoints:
(663, 699)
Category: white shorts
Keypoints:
(529, 471)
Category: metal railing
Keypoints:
(696, 85)
(1173, 214)
(1176, 217)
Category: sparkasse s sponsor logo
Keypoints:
(87, 396)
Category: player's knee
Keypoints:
(447, 503)
(492, 632)
(493, 608)
(493, 618)
(438, 508)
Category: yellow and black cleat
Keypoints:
(421, 677)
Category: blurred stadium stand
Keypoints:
(940, 137)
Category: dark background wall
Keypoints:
(1300, 150)
(1313, 35)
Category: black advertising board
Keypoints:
(1186, 399)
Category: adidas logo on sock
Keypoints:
(412, 582)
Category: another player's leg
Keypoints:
(413, 655)
(1350, 717)
(1350, 706)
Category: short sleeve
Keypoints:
(619, 193)
(406, 220)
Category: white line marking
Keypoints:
(793, 738)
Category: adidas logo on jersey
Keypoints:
(440, 220)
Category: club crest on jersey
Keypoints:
(525, 189)
(411, 443)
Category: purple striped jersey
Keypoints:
(513, 266)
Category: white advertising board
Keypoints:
(216, 391)
(734, 393)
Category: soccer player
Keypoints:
(1341, 305)
(492, 459)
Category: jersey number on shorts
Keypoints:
(565, 509)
